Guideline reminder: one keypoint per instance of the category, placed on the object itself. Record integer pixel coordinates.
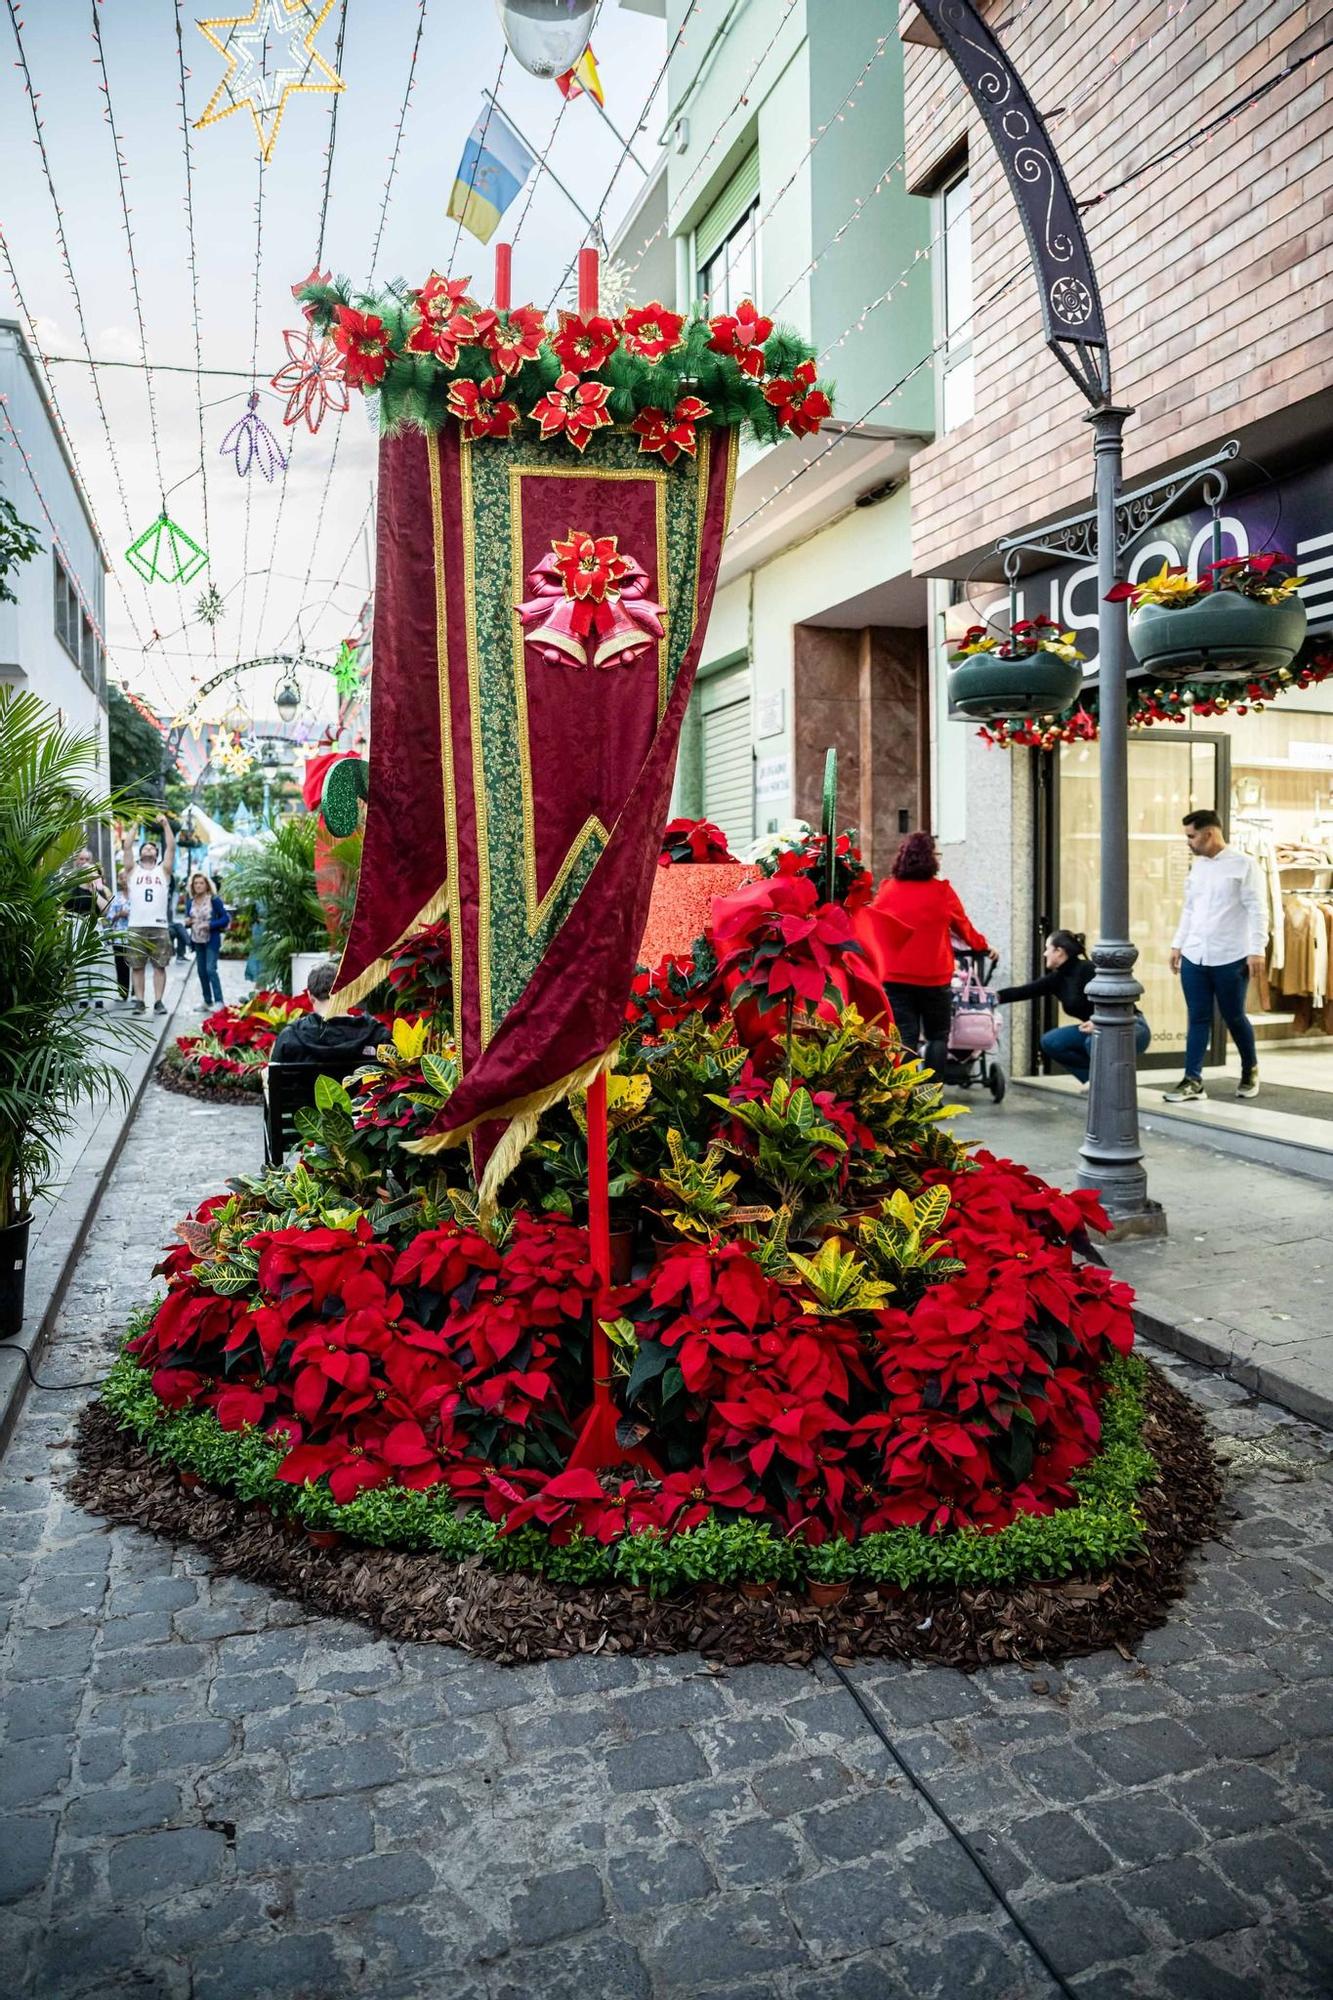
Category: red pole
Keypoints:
(599, 1205)
(504, 253)
(588, 284)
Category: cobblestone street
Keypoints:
(208, 1794)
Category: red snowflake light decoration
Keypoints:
(312, 379)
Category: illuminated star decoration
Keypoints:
(210, 607)
(260, 80)
(232, 757)
(347, 671)
(312, 380)
(251, 442)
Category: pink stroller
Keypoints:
(974, 1031)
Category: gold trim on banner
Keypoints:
(479, 813)
(446, 735)
(538, 905)
(523, 1115)
(365, 982)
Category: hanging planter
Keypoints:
(1035, 672)
(1239, 617)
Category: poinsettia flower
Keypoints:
(800, 405)
(572, 409)
(513, 337)
(741, 335)
(669, 436)
(651, 331)
(584, 345)
(363, 341)
(481, 409)
(444, 326)
(589, 565)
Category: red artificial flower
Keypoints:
(572, 409)
(741, 335)
(512, 338)
(800, 405)
(480, 408)
(651, 331)
(693, 840)
(443, 326)
(670, 436)
(589, 565)
(363, 341)
(585, 345)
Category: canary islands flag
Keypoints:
(496, 162)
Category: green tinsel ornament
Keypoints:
(347, 671)
(164, 553)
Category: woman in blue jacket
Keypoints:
(206, 919)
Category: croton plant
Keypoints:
(838, 1322)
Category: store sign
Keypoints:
(1310, 753)
(1292, 515)
(772, 780)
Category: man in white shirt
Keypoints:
(1217, 949)
(148, 938)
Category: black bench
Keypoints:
(289, 1088)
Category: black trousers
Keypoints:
(923, 1013)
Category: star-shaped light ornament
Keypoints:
(270, 53)
(347, 670)
(210, 607)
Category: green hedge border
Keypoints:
(1087, 1539)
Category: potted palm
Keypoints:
(1032, 672)
(54, 1051)
(1240, 615)
(277, 880)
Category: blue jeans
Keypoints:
(206, 958)
(1072, 1049)
(1225, 985)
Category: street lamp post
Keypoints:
(1075, 330)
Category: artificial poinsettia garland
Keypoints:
(432, 351)
(1149, 706)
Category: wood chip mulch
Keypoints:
(185, 1085)
(515, 1619)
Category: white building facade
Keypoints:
(52, 641)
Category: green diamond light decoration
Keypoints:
(347, 671)
(164, 553)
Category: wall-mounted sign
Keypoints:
(772, 713)
(772, 780)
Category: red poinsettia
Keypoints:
(800, 404)
(686, 840)
(481, 409)
(444, 325)
(742, 335)
(669, 436)
(585, 345)
(572, 409)
(589, 565)
(363, 341)
(651, 331)
(511, 338)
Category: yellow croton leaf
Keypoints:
(409, 1039)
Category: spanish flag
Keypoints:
(583, 76)
(495, 165)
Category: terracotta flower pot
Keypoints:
(823, 1592)
(324, 1538)
(622, 1256)
(758, 1590)
(189, 1480)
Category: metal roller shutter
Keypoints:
(728, 758)
(717, 223)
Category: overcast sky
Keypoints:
(289, 576)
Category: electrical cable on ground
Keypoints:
(952, 1827)
(54, 1388)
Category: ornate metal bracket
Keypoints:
(1075, 537)
(1071, 307)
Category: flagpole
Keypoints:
(539, 162)
(604, 115)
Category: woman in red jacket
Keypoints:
(917, 968)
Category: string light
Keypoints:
(71, 569)
(398, 140)
(254, 371)
(211, 622)
(677, 42)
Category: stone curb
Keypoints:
(1215, 1345)
(53, 1264)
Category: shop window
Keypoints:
(953, 232)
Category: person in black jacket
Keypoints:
(314, 1038)
(1068, 973)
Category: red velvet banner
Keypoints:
(535, 818)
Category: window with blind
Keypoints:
(727, 753)
(727, 242)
